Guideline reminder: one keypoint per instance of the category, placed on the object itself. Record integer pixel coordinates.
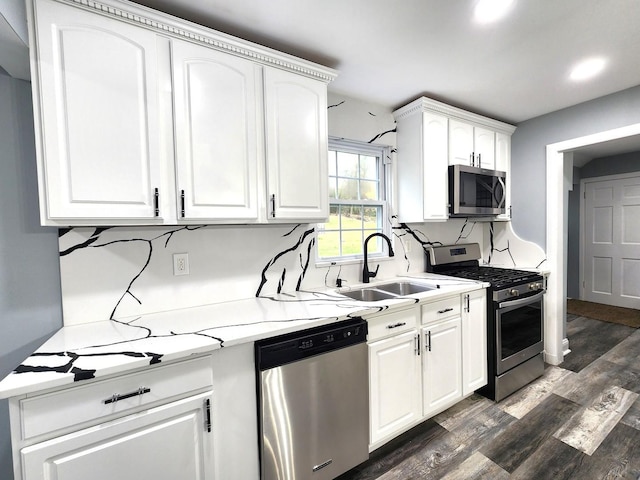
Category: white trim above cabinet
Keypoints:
(432, 135)
(127, 135)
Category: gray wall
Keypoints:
(598, 167)
(30, 305)
(528, 152)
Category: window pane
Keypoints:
(347, 164)
(347, 189)
(332, 163)
(328, 244)
(351, 217)
(368, 190)
(369, 167)
(352, 242)
(373, 218)
(332, 187)
(334, 219)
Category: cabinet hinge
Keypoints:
(207, 415)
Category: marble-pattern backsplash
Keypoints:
(120, 272)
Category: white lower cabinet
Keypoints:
(394, 385)
(163, 443)
(441, 365)
(474, 341)
(155, 423)
(423, 360)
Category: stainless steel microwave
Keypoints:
(475, 191)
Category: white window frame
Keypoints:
(369, 149)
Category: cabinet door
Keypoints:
(296, 136)
(484, 147)
(95, 88)
(460, 142)
(442, 365)
(474, 341)
(395, 385)
(216, 124)
(163, 443)
(503, 163)
(435, 183)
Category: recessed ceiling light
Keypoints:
(587, 69)
(487, 11)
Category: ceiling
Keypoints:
(391, 52)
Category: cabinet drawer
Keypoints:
(446, 308)
(391, 324)
(76, 405)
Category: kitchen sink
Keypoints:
(386, 291)
(368, 294)
(404, 288)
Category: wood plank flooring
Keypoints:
(580, 420)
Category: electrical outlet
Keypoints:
(181, 264)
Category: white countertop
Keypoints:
(99, 349)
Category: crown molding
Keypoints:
(424, 104)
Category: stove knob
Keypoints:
(535, 286)
(514, 292)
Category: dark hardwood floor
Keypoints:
(580, 420)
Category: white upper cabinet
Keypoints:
(422, 168)
(95, 90)
(484, 147)
(460, 143)
(296, 138)
(142, 118)
(470, 145)
(216, 125)
(431, 136)
(503, 163)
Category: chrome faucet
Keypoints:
(366, 274)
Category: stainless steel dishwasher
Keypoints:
(313, 390)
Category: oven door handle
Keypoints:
(521, 301)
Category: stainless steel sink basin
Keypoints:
(404, 288)
(386, 291)
(368, 295)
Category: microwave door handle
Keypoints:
(500, 201)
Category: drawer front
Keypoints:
(76, 405)
(391, 324)
(440, 310)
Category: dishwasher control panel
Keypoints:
(297, 345)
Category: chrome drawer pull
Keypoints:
(116, 397)
(396, 325)
(445, 310)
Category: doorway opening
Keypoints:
(559, 180)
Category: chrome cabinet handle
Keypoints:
(427, 341)
(467, 299)
(445, 310)
(116, 397)
(273, 205)
(396, 325)
(416, 341)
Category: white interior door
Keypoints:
(612, 240)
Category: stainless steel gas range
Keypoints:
(514, 314)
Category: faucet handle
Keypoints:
(373, 274)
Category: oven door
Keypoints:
(519, 331)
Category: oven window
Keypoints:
(520, 328)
